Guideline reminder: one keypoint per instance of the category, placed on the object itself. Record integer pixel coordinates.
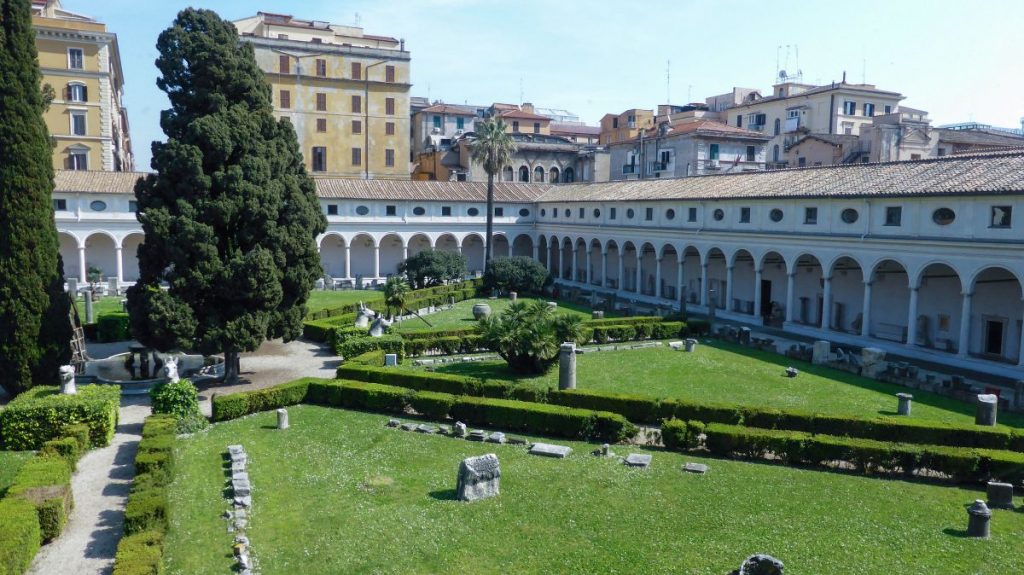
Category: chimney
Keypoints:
(527, 107)
(844, 76)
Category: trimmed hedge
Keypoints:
(45, 481)
(961, 464)
(359, 395)
(445, 345)
(420, 381)
(112, 327)
(19, 535)
(43, 413)
(140, 551)
(66, 448)
(321, 330)
(432, 404)
(236, 405)
(389, 343)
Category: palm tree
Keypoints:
(493, 147)
(395, 293)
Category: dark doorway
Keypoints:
(994, 337)
(766, 298)
(821, 316)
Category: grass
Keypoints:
(341, 493)
(461, 315)
(100, 305)
(322, 299)
(727, 373)
(10, 464)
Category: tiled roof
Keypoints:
(426, 191)
(833, 139)
(97, 182)
(991, 174)
(450, 109)
(523, 115)
(980, 137)
(563, 128)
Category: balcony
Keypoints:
(756, 127)
(629, 169)
(792, 124)
(659, 166)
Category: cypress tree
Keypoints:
(35, 333)
(230, 216)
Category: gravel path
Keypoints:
(100, 488)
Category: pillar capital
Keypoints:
(827, 278)
(729, 268)
(967, 293)
(867, 283)
(660, 258)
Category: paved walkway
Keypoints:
(100, 488)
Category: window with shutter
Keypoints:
(357, 126)
(357, 70)
(286, 99)
(321, 67)
(284, 64)
(389, 129)
(389, 73)
(321, 101)
(357, 104)
(389, 158)
(321, 124)
(357, 156)
(389, 106)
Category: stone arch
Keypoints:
(994, 323)
(580, 251)
(846, 312)
(543, 253)
(524, 174)
(417, 243)
(69, 254)
(392, 253)
(808, 290)
(936, 324)
(648, 269)
(332, 254)
(446, 242)
(538, 174)
(499, 246)
(692, 274)
(553, 175)
(566, 272)
(596, 262)
(629, 254)
(715, 287)
(555, 257)
(889, 303)
(614, 259)
(508, 174)
(522, 245)
(774, 288)
(130, 255)
(101, 252)
(363, 253)
(473, 250)
(669, 264)
(568, 175)
(744, 292)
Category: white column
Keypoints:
(604, 268)
(912, 318)
(82, 271)
(704, 285)
(574, 273)
(657, 278)
(120, 266)
(757, 292)
(348, 262)
(405, 252)
(536, 251)
(551, 263)
(790, 295)
(965, 326)
(590, 265)
(376, 261)
(826, 305)
(680, 291)
(622, 274)
(639, 274)
(865, 314)
(728, 288)
(1020, 353)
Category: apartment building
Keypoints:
(625, 126)
(79, 59)
(345, 91)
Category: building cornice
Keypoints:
(324, 48)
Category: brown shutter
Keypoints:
(389, 73)
(67, 93)
(284, 63)
(85, 93)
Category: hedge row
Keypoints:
(445, 345)
(45, 482)
(650, 410)
(431, 292)
(43, 413)
(321, 330)
(140, 551)
(112, 327)
(19, 535)
(235, 405)
(961, 464)
(389, 343)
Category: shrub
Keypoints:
(678, 434)
(156, 449)
(179, 399)
(112, 327)
(425, 381)
(634, 320)
(19, 535)
(370, 358)
(147, 503)
(613, 332)
(42, 414)
(80, 433)
(359, 395)
(432, 404)
(140, 554)
(236, 405)
(322, 330)
(517, 273)
(668, 329)
(698, 327)
(431, 267)
(66, 448)
(46, 483)
(542, 418)
(633, 407)
(388, 343)
(528, 335)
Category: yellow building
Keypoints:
(346, 93)
(79, 59)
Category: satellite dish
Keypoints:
(782, 74)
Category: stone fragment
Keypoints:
(761, 564)
(477, 435)
(792, 371)
(985, 413)
(444, 429)
(552, 304)
(424, 428)
(408, 426)
(676, 345)
(699, 468)
(390, 359)
(567, 366)
(513, 440)
(691, 344)
(641, 460)
(241, 487)
(481, 310)
(394, 423)
(282, 418)
(496, 437)
(904, 403)
(978, 518)
(513, 296)
(597, 314)
(549, 450)
(821, 351)
(243, 501)
(240, 476)
(478, 478)
(1000, 495)
(460, 429)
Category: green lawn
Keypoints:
(461, 315)
(100, 305)
(341, 493)
(321, 299)
(10, 464)
(727, 373)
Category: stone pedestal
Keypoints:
(567, 366)
(513, 296)
(88, 307)
(67, 380)
(691, 344)
(320, 283)
(390, 359)
(985, 412)
(597, 314)
(459, 430)
(873, 362)
(905, 401)
(478, 478)
(1000, 495)
(978, 518)
(822, 349)
(72, 287)
(282, 419)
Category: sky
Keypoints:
(960, 61)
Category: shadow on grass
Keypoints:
(961, 533)
(444, 495)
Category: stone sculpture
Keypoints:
(978, 518)
(171, 369)
(478, 478)
(364, 315)
(379, 326)
(67, 380)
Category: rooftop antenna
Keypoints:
(521, 97)
(668, 81)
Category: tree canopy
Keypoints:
(517, 273)
(230, 216)
(493, 147)
(528, 335)
(433, 267)
(35, 333)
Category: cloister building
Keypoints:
(920, 258)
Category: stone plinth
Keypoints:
(548, 450)
(985, 412)
(282, 419)
(390, 359)
(821, 351)
(905, 400)
(1000, 495)
(478, 478)
(567, 366)
(978, 518)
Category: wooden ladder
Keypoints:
(78, 353)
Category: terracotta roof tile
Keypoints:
(450, 109)
(426, 191)
(96, 182)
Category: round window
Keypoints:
(775, 215)
(630, 213)
(362, 210)
(719, 214)
(567, 212)
(670, 214)
(543, 212)
(943, 216)
(419, 211)
(98, 205)
(525, 213)
(597, 213)
(473, 212)
(849, 215)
